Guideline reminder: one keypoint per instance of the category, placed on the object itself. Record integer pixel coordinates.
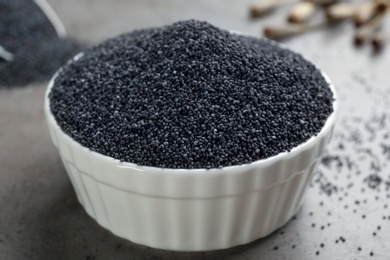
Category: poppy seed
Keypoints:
(190, 95)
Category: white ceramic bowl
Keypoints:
(190, 210)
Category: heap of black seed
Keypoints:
(27, 33)
(190, 96)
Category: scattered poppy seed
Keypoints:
(275, 248)
(190, 96)
(322, 245)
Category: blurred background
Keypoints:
(345, 214)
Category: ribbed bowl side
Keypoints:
(191, 223)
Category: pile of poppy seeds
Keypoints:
(29, 36)
(190, 95)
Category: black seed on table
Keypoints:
(371, 253)
(293, 246)
(373, 181)
(275, 248)
(374, 234)
(379, 227)
(359, 248)
(313, 225)
(193, 95)
(363, 216)
(318, 252)
(322, 245)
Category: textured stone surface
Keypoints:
(41, 219)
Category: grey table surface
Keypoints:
(344, 210)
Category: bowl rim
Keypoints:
(327, 127)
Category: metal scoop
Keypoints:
(6, 55)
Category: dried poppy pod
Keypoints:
(363, 13)
(340, 11)
(301, 12)
(323, 2)
(262, 7)
(368, 29)
(379, 40)
(282, 32)
(367, 10)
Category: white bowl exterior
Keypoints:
(190, 210)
